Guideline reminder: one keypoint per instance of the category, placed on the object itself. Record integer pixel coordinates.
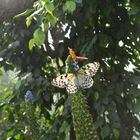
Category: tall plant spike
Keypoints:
(82, 119)
(34, 131)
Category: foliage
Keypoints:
(35, 45)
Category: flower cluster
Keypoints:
(75, 66)
(28, 96)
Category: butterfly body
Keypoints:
(81, 79)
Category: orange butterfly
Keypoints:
(75, 57)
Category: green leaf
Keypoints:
(49, 7)
(28, 21)
(25, 13)
(46, 1)
(69, 6)
(17, 137)
(10, 132)
(52, 19)
(31, 44)
(116, 133)
(39, 37)
(46, 26)
(105, 131)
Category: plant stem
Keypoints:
(82, 119)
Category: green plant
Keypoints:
(105, 31)
(81, 118)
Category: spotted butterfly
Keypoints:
(81, 79)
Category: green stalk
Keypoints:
(34, 131)
(82, 119)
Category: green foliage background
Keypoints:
(104, 31)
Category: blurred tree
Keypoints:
(9, 8)
(35, 44)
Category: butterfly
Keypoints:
(75, 57)
(82, 79)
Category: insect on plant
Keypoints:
(80, 79)
(75, 57)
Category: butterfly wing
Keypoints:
(80, 81)
(90, 69)
(87, 82)
(72, 87)
(62, 80)
(67, 81)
